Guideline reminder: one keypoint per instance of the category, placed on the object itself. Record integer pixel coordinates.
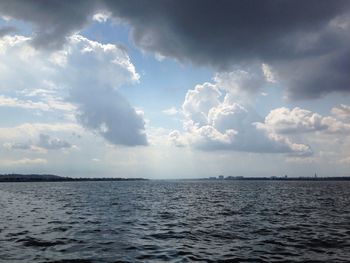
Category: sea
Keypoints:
(175, 221)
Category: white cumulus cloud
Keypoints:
(342, 112)
(215, 121)
(297, 120)
(84, 75)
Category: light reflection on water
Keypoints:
(176, 221)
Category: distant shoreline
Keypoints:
(13, 178)
(336, 178)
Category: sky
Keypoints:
(175, 89)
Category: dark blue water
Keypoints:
(176, 221)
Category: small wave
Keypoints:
(34, 242)
(70, 261)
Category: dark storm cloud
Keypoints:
(307, 39)
(312, 78)
(223, 34)
(53, 20)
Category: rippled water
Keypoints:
(178, 221)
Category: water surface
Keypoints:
(176, 221)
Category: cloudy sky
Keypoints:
(175, 89)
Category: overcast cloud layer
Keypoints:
(306, 42)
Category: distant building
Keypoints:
(212, 178)
(221, 177)
(234, 177)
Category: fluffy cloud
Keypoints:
(342, 112)
(297, 120)
(101, 17)
(199, 101)
(177, 138)
(214, 120)
(18, 58)
(328, 135)
(216, 123)
(243, 82)
(101, 107)
(86, 73)
(238, 83)
(305, 42)
(268, 73)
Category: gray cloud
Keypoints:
(223, 32)
(52, 20)
(7, 30)
(44, 141)
(93, 77)
(18, 146)
(49, 143)
(107, 112)
(310, 36)
(317, 76)
(89, 73)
